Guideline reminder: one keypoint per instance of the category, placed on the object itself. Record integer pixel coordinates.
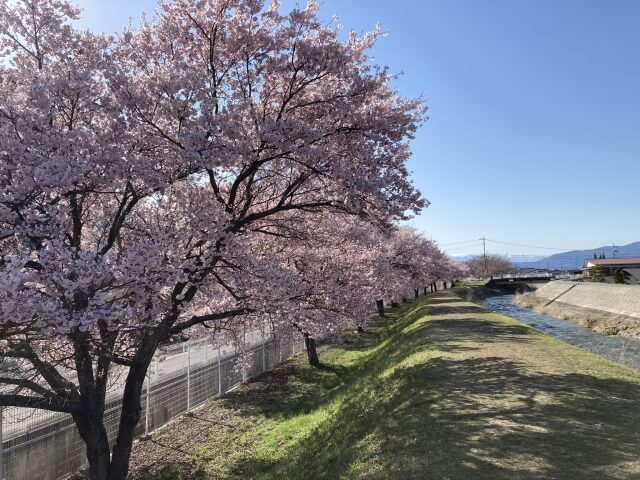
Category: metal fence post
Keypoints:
(244, 347)
(148, 403)
(220, 392)
(188, 377)
(1, 446)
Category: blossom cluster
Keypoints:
(224, 166)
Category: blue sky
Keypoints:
(534, 105)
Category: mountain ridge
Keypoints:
(574, 259)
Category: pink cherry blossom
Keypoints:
(226, 166)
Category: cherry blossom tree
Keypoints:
(482, 266)
(411, 262)
(336, 265)
(316, 278)
(334, 262)
(136, 173)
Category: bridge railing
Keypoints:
(537, 275)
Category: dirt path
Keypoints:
(525, 405)
(449, 391)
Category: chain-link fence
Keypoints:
(41, 445)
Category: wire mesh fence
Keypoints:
(41, 445)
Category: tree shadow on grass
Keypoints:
(469, 330)
(454, 307)
(445, 413)
(474, 419)
(435, 299)
(470, 418)
(290, 390)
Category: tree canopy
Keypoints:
(225, 165)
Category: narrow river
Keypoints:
(623, 350)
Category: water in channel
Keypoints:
(623, 350)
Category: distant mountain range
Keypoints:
(571, 260)
(575, 258)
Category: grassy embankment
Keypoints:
(447, 391)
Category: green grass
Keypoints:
(447, 391)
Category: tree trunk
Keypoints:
(394, 304)
(130, 415)
(435, 286)
(380, 305)
(444, 285)
(425, 290)
(312, 354)
(89, 422)
(417, 292)
(89, 415)
(98, 458)
(431, 287)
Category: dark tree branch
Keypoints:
(43, 403)
(195, 320)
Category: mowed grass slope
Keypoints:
(447, 391)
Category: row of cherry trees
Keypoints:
(334, 269)
(224, 166)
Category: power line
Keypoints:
(459, 243)
(503, 243)
(529, 246)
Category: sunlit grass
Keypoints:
(447, 390)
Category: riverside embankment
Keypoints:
(621, 349)
(447, 389)
(609, 309)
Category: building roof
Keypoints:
(612, 262)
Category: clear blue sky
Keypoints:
(534, 105)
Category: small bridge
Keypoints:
(519, 282)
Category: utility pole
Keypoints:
(615, 252)
(484, 253)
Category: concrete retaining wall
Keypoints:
(623, 300)
(54, 450)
